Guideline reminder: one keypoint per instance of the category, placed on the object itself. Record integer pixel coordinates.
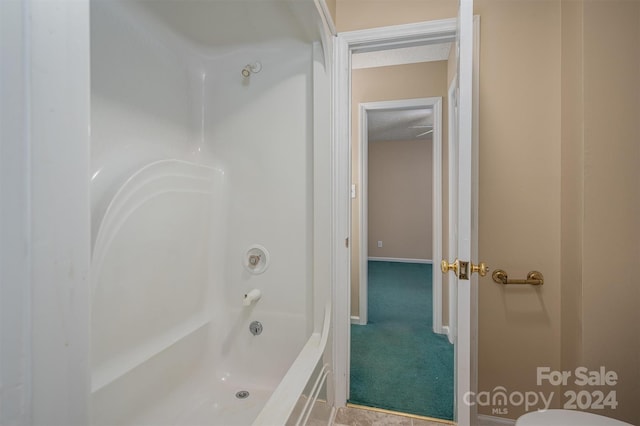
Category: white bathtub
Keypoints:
(191, 165)
(206, 394)
(172, 341)
(204, 398)
(293, 400)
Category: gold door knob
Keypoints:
(480, 268)
(446, 266)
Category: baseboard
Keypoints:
(486, 420)
(399, 259)
(356, 320)
(443, 330)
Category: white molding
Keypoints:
(325, 16)
(15, 216)
(356, 320)
(399, 260)
(345, 45)
(485, 420)
(341, 218)
(397, 36)
(363, 206)
(475, 192)
(436, 209)
(465, 345)
(452, 202)
(444, 330)
(58, 56)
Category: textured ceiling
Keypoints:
(399, 124)
(405, 55)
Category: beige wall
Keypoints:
(559, 148)
(601, 201)
(385, 84)
(399, 198)
(360, 14)
(572, 183)
(331, 5)
(611, 197)
(519, 200)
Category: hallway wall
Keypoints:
(400, 199)
(384, 84)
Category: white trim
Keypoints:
(345, 45)
(485, 420)
(363, 206)
(399, 260)
(341, 218)
(452, 168)
(475, 191)
(325, 16)
(436, 209)
(356, 320)
(436, 203)
(15, 215)
(465, 357)
(58, 66)
(397, 36)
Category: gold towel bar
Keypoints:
(533, 278)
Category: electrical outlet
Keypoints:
(379, 243)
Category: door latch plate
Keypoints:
(463, 270)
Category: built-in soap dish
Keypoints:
(256, 259)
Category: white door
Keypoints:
(461, 240)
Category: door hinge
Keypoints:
(346, 242)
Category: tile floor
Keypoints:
(352, 416)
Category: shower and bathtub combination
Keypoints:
(209, 128)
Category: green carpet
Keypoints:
(397, 362)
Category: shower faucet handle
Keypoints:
(254, 260)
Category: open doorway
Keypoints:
(465, 32)
(397, 299)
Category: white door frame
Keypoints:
(439, 31)
(434, 103)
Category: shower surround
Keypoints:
(205, 140)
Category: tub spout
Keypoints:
(252, 297)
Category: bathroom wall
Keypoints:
(611, 238)
(400, 199)
(572, 184)
(384, 84)
(360, 14)
(519, 199)
(601, 181)
(558, 191)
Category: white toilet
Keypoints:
(566, 418)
